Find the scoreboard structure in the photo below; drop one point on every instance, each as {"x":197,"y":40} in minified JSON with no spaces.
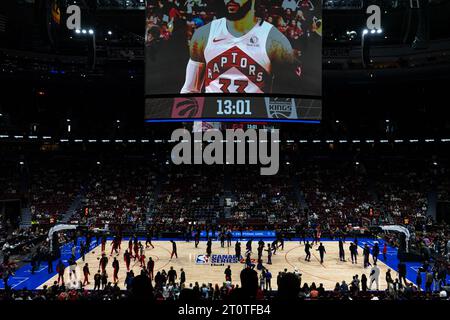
{"x":233,"y":60}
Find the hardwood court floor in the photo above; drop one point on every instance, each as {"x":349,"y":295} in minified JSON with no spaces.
{"x":328,"y":273}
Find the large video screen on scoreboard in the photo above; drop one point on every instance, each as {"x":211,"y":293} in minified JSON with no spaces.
{"x":234,"y":47}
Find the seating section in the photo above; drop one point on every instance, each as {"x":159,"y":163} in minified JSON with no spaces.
{"x":402,"y":188}
{"x":338,"y":192}
{"x":188,"y":194}
{"x":263,"y":200}
{"x":54,"y":184}
{"x":117,"y":193}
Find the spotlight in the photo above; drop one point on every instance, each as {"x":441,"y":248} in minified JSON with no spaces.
{"x":110,"y":32}
{"x":379,"y":31}
{"x":373,"y":31}
{"x":78,"y":31}
{"x":83,"y":31}
{"x":91,"y":31}
{"x":365,"y":31}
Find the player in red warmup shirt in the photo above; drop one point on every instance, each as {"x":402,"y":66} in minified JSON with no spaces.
{"x":130,"y":246}
{"x":127,"y":259}
{"x":142,"y":260}
{"x":103,"y":244}
{"x":150,"y":267}
{"x":86,"y":274}
{"x":115,"y":266}
{"x":119,"y":241}
{"x":115,"y":246}
{"x":136,"y":249}
{"x":103,"y":262}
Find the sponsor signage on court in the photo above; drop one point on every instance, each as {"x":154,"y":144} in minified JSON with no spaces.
{"x":244,"y":234}
{"x":216,"y":259}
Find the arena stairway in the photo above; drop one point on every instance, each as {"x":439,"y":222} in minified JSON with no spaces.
{"x":432,"y":199}
{"x":227,"y":194}
{"x":299,"y":193}
{"x":372,"y":190}
{"x":72,"y":209}
{"x":154,"y":197}
{"x":25,"y":218}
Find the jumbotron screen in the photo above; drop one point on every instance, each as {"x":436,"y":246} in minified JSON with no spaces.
{"x":224,"y":58}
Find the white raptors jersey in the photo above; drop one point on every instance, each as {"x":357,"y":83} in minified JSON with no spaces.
{"x":237,"y":64}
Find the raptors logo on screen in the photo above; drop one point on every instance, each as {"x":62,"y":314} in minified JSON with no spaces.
{"x":235,"y":71}
{"x":187,"y":107}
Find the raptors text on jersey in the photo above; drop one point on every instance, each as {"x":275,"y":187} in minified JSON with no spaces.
{"x":237,"y":64}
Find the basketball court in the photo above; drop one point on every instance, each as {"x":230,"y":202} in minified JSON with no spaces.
{"x":200,"y":269}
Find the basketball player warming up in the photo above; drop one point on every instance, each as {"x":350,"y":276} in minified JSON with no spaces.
{"x":238,"y":54}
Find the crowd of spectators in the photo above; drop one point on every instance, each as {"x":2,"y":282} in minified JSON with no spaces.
{"x":116,"y":193}
{"x":443,"y":185}
{"x":290,"y":287}
{"x":54,"y":184}
{"x":263,"y":200}
{"x":406,"y":199}
{"x":349,"y":194}
{"x":188,"y":195}
{"x":9,"y":180}
{"x":19,"y":242}
{"x":337,"y":195}
{"x":337,"y":192}
{"x":120,"y":4}
{"x":298,"y":20}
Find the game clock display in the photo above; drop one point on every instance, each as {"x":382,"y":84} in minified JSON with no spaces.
{"x":229,"y":108}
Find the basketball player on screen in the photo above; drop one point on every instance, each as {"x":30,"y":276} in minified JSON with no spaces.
{"x":238,"y":54}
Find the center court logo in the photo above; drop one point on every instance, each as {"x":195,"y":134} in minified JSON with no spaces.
{"x":202,"y":259}
{"x":216,"y":259}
